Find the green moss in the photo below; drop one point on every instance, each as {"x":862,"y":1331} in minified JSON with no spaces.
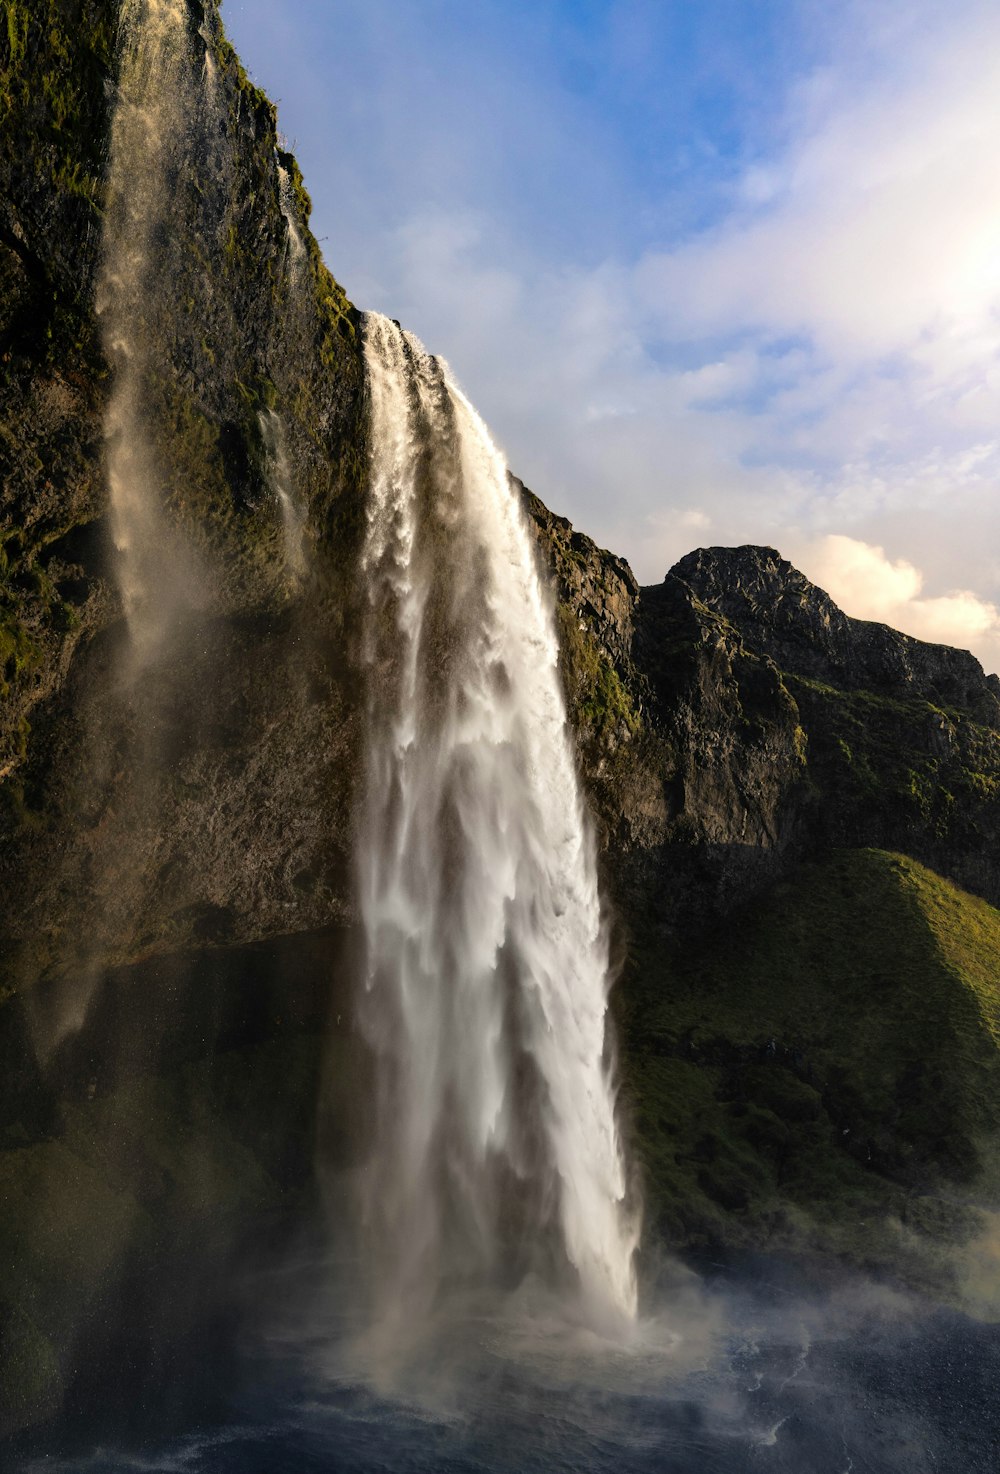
{"x":62,"y":1228}
{"x":600,"y":706}
{"x":32,"y":614}
{"x":248,"y":94}
{"x":165,"y":1163}
{"x":16,"y":18}
{"x":18,"y":652}
{"x":835,"y":1055}
{"x":870,"y":752}
{"x":262,"y":394}
{"x":58,"y":99}
{"x":300,"y":195}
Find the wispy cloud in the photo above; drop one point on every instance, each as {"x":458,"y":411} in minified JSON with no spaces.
{"x":869,"y":585}
{"x":804,"y":345}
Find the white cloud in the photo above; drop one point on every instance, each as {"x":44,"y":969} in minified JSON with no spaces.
{"x":695,"y":519}
{"x":823,"y":360}
{"x":869,"y":585}
{"x":878,"y":229}
{"x":629,"y":445}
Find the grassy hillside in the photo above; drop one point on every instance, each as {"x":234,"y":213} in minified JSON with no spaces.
{"x":825,"y":1072}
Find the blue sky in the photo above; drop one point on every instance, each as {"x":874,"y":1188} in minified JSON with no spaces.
{"x":715,"y":271}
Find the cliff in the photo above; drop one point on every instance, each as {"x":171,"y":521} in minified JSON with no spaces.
{"x":797,"y":812}
{"x":159,"y":1081}
{"x":733,"y":721}
{"x":94,"y":856}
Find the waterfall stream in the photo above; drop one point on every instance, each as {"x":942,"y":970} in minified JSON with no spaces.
{"x":497,"y":1160}
{"x":498,"y":1154}
{"x":159,"y":98}
{"x":296,"y":245}
{"x":279,"y":477}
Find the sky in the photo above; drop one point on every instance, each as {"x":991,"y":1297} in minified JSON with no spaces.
{"x":713,"y":271}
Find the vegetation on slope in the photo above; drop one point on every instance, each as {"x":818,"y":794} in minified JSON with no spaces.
{"x":900,"y":768}
{"x":55,"y":61}
{"x":825,"y":1073}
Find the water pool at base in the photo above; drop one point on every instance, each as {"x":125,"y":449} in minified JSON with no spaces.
{"x":729,"y":1378}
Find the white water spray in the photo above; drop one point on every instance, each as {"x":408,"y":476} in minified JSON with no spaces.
{"x":210,"y":70}
{"x":159,"y":96}
{"x":296,"y":245}
{"x":279,"y":475}
{"x":498,"y":1152}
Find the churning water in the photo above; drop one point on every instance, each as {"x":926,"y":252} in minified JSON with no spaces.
{"x":497,"y":1154}
{"x":753,"y":1380}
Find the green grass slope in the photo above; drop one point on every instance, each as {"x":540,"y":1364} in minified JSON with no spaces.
{"x":824,"y":1074}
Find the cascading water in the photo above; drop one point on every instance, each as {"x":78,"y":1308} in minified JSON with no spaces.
{"x":296,"y":245}
{"x":152,"y":111}
{"x":272,"y":426}
{"x":487,"y":961}
{"x":279,"y":476}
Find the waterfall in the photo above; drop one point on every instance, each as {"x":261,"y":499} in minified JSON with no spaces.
{"x":210,"y":70}
{"x":160,"y":104}
{"x":296,"y":245}
{"x":485,"y":1003}
{"x":272,"y":426}
{"x":279,"y":476}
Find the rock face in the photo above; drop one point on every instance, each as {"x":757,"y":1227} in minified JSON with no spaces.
{"x":897,"y":742}
{"x":107,"y":845}
{"x":779,"y":611}
{"x":155,"y":821}
{"x":732,"y":721}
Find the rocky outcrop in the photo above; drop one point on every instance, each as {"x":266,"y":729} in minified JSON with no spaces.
{"x":622,"y":754}
{"x":899,"y":740}
{"x":183,"y":806}
{"x":599,"y":588}
{"x":732,"y":721}
{"x":778,"y":611}
{"x":689,"y":739}
{"x":53,"y":73}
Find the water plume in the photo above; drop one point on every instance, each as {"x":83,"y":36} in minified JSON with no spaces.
{"x":296,"y":245}
{"x":497,"y":1155}
{"x":160,"y":100}
{"x":279,"y":476}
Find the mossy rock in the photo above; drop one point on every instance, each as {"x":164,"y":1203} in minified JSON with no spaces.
{"x":829,"y":1062}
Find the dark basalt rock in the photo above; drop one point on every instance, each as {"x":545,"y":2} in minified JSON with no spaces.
{"x":765,"y":726}
{"x":899,"y":739}
{"x":779,"y":611}
{"x":256,"y":702}
{"x":600,"y":588}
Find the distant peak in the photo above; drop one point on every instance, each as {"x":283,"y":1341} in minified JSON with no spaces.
{"x":780,"y":613}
